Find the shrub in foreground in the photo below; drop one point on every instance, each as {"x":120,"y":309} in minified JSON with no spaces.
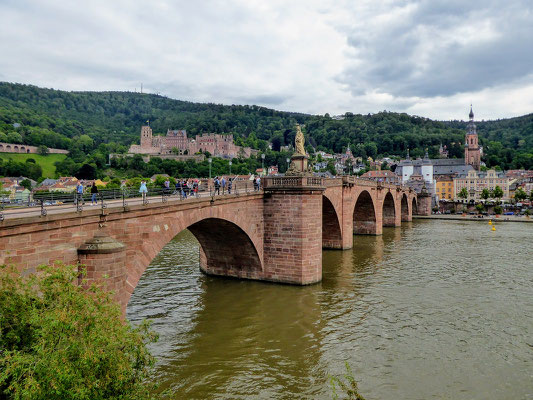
{"x":59,"y":341}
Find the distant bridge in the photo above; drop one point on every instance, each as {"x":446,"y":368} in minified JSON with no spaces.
{"x":276,"y":234}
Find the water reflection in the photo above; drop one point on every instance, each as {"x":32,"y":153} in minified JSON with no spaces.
{"x":430,"y":310}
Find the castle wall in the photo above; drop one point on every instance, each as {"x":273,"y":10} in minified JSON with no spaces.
{"x":22,"y":148}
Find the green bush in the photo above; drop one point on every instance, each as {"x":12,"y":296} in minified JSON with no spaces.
{"x":59,"y":341}
{"x":498,"y":210}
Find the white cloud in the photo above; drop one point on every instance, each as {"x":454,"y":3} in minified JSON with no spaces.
{"x":428,"y":57}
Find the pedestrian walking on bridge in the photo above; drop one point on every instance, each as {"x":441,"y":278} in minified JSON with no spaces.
{"x":94,"y":194}
{"x":143,"y":190}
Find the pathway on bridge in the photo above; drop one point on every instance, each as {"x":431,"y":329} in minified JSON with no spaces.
{"x":28,"y":212}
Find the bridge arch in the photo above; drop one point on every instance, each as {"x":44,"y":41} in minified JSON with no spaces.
{"x":331,"y":227}
{"x":364,"y":215}
{"x":389,"y":210}
{"x":225,"y":248}
{"x":405,"y":208}
{"x":228,"y":245}
{"x":414,"y":206}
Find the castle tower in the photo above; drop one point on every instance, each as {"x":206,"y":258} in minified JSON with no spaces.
{"x":472,"y":149}
{"x":146,"y":137}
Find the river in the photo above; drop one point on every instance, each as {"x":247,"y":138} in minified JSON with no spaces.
{"x":431,"y":310}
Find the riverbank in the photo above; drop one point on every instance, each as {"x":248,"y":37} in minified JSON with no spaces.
{"x":501,"y":218}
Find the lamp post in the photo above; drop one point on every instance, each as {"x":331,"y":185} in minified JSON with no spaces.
{"x":263,"y":163}
{"x":230,"y":167}
{"x":288,"y":161}
{"x":210,"y":160}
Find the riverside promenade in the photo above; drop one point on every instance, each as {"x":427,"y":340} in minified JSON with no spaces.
{"x":458,"y":217}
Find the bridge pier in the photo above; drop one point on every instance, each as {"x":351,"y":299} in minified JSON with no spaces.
{"x":104,"y":260}
{"x":293,"y":229}
{"x":424,"y":204}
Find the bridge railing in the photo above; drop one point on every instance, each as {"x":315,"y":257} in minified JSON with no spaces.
{"x":51,"y":201}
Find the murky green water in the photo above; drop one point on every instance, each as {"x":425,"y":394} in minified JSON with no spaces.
{"x":432,"y":310}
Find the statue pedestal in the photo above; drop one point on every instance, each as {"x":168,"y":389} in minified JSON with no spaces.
{"x":298,"y":165}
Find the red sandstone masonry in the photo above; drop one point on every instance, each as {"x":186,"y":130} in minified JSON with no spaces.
{"x":293,"y":235}
{"x":277,"y":237}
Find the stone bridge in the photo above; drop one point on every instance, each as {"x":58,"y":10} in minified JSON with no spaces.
{"x":275,"y":235}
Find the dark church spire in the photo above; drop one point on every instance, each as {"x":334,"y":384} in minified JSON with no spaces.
{"x":471,"y":115}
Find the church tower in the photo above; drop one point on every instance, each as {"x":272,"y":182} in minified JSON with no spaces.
{"x":146,"y":137}
{"x":472,"y":149}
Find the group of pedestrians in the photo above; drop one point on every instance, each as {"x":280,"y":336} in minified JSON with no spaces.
{"x":222,"y":183}
{"x":94,"y":194}
{"x":187,"y":188}
{"x":183,"y":187}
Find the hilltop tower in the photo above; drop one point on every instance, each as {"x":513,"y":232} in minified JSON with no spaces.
{"x":472,"y":149}
{"x":146,"y":137}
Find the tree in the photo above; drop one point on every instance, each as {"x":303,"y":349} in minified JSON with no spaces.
{"x":485,"y":194}
{"x":479,"y":208}
{"x":85,"y":143}
{"x":497,"y":193}
{"x":463,"y":193}
{"x":14,"y":137}
{"x":86,"y":171}
{"x":113,"y":184}
{"x":60,"y":341}
{"x":26,"y":183}
{"x":43,"y":150}
{"x":348,"y":167}
{"x":520,"y":195}
{"x":331,"y":167}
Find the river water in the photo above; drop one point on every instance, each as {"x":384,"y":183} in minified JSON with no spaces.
{"x":432,"y":310}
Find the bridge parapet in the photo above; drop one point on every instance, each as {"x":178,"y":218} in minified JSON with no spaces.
{"x":293,"y":182}
{"x":366,"y":182}
{"x":333,"y":182}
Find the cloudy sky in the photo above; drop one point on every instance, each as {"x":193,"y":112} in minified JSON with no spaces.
{"x":424,"y":57}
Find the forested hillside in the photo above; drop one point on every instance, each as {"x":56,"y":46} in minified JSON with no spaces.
{"x":93,"y":124}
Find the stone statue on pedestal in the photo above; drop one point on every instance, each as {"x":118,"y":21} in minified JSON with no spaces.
{"x":299,"y":141}
{"x":299,"y":159}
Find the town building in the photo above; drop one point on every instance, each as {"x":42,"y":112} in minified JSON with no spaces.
{"x":177,"y":143}
{"x":382,"y":176}
{"x":519,"y":174}
{"x":475,"y":182}
{"x":473,"y":151}
{"x":443,"y":151}
{"x":437,"y":172}
{"x":12,"y":190}
{"x":444,"y":188}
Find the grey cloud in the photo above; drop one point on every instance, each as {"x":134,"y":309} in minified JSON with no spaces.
{"x":399,"y":60}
